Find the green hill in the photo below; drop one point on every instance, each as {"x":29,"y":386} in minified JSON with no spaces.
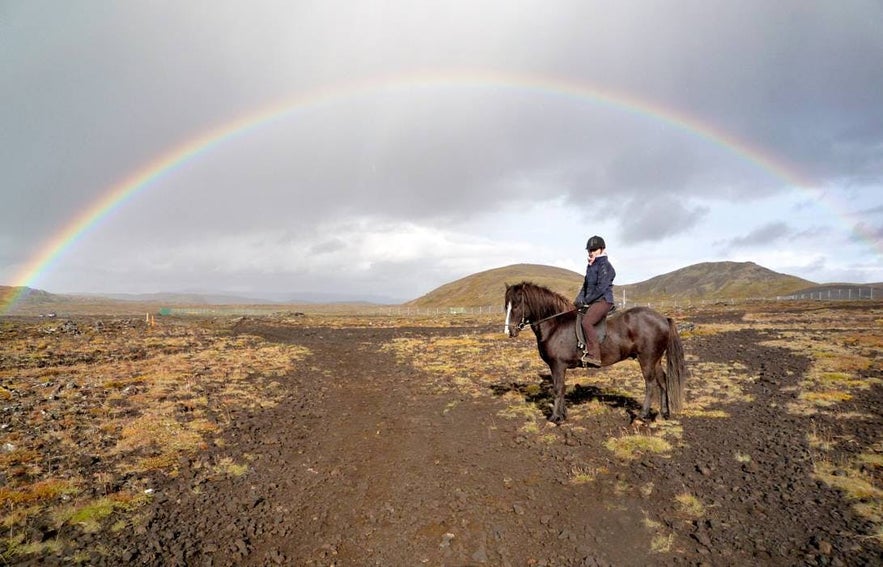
{"x":26,"y":296}
{"x":706,"y":281}
{"x":715,"y":280}
{"x":30,"y":301}
{"x":487,"y":288}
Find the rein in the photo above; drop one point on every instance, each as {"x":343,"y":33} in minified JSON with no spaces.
{"x":525,"y":321}
{"x":532,"y":323}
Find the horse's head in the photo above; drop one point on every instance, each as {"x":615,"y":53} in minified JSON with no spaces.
{"x":516,"y":317}
{"x":531,"y":304}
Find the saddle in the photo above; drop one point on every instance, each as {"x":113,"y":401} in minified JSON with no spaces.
{"x":600,"y":329}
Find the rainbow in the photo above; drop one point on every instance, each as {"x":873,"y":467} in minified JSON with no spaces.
{"x":165,"y":164}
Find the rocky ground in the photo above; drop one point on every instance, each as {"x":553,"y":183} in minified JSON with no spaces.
{"x":364,"y":462}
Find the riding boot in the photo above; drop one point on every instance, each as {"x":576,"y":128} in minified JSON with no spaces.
{"x":592,"y":350}
{"x":591,"y":357}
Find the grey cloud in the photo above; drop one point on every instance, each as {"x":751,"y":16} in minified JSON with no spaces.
{"x":95,"y":93}
{"x":654,"y":219}
{"x":765,"y":235}
{"x":868,"y":233}
{"x":877,"y":211}
{"x":328,"y":246}
{"x":720,"y":62}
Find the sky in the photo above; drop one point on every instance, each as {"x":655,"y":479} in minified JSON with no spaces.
{"x":378,"y":150}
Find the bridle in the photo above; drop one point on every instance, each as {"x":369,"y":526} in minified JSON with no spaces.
{"x":525,"y":321}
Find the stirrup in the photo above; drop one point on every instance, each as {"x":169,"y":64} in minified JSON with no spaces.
{"x":588,"y":360}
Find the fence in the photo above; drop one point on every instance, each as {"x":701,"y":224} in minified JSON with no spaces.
{"x":838,"y":294}
{"x":853,"y":293}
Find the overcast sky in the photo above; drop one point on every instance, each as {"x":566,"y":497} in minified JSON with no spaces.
{"x":424,"y":141}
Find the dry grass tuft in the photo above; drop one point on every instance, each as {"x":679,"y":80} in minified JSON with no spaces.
{"x":629,"y":447}
{"x":662,"y":541}
{"x":38,"y":492}
{"x":228,"y":467}
{"x":88,"y":516}
{"x":689,"y":505}
{"x":585,"y":474}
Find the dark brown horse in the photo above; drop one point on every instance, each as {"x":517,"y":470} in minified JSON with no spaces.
{"x":639,"y":333}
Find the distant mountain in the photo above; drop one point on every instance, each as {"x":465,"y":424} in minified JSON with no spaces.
{"x":714,"y":280}
{"x":710,"y":280}
{"x":187,"y":298}
{"x":255,"y":298}
{"x":30,"y":296}
{"x":326,"y":298}
{"x":705,"y":281}
{"x":488,"y":287}
{"x":30,"y":301}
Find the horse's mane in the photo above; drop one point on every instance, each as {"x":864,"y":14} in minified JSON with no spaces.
{"x":544,"y":299}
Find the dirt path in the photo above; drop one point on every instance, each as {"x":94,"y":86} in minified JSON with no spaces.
{"x":375,"y":470}
{"x":363,"y":464}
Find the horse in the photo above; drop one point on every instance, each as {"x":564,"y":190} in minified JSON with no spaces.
{"x":637,"y":333}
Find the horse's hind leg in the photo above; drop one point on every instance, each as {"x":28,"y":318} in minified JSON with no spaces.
{"x":653,"y":376}
{"x":559,"y":410}
{"x":663,"y":392}
{"x":658,"y":376}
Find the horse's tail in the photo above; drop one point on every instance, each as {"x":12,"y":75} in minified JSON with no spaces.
{"x":676,"y":371}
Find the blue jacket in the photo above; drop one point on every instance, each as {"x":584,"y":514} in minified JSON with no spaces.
{"x":598,"y":283}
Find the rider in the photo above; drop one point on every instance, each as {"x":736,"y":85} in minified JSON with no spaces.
{"x":595,"y":298}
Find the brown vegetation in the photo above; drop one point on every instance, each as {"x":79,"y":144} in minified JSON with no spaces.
{"x":100,"y":414}
{"x":96,"y":413}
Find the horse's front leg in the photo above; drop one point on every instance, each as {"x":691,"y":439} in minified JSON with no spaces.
{"x":559,"y":410}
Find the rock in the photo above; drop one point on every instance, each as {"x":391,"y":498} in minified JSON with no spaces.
{"x":702,"y":538}
{"x":276,"y":557}
{"x":480,"y":555}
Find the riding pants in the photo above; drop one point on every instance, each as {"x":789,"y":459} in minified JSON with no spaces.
{"x":595,"y":312}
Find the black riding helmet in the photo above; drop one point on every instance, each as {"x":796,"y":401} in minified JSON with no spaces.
{"x":595,"y":243}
